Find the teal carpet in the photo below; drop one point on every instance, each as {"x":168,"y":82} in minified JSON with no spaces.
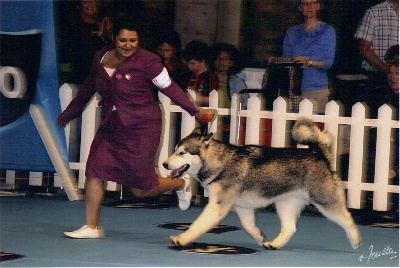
{"x":32,"y":227}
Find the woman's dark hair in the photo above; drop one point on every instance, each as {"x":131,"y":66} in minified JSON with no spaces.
{"x":392,"y":54}
{"x":196,"y":50}
{"x":170,"y":37}
{"x":173,"y":39}
{"x":233,"y":52}
{"x":124,"y":23}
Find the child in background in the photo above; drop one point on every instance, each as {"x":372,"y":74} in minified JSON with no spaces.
{"x":200,"y":79}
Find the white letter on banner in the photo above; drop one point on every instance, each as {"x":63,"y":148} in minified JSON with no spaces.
{"x":18,"y":75}
{"x":162,"y":80}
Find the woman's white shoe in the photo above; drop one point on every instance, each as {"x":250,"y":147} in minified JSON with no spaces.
{"x":185,"y":195}
{"x":86,"y":233}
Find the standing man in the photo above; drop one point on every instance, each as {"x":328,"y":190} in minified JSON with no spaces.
{"x":377,"y":31}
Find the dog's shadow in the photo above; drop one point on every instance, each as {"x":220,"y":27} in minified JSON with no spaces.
{"x":215,"y":249}
{"x":221,"y":249}
{"x":183,"y":226}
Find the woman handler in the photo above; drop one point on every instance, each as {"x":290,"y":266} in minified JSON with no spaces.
{"x":125,"y":145}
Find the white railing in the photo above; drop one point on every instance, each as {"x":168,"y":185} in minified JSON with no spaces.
{"x":355,"y":142}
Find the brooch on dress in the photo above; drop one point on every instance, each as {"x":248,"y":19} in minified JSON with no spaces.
{"x":127,"y":76}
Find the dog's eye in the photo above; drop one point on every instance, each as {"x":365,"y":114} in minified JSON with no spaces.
{"x":194,"y":152}
{"x":181,"y":153}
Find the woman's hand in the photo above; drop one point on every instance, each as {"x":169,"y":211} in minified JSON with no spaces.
{"x":61,"y":123}
{"x":302,"y":60}
{"x":105,"y":28}
{"x":271,"y":59}
{"x":204,"y":115}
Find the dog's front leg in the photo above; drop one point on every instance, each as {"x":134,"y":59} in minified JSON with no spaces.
{"x":288,"y":210}
{"x":247,"y":219}
{"x":213,"y":213}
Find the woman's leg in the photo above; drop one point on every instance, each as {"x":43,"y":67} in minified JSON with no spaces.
{"x":94,"y":194}
{"x":319,"y":99}
{"x":180,"y":185}
{"x":165,"y":185}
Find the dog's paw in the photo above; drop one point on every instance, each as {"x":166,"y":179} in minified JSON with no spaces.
{"x":178,"y":241}
{"x":174,"y":240}
{"x":268,"y":245}
{"x":356,"y":244}
{"x":354,"y":237}
{"x":261,"y":239}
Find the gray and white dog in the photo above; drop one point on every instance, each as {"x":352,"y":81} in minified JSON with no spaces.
{"x":250,"y":177}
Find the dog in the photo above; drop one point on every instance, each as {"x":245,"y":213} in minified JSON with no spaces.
{"x":250,"y":177}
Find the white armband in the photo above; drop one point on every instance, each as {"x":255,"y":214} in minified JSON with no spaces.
{"x":162,"y":80}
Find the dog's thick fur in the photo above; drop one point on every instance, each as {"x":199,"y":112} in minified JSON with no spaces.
{"x":250,"y":177}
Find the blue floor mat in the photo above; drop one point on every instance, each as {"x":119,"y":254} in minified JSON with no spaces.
{"x":34,"y":226}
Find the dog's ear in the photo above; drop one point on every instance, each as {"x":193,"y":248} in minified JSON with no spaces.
{"x":197,"y":130}
{"x":207,"y":137}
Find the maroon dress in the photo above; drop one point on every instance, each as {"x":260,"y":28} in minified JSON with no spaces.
{"x":126,"y":143}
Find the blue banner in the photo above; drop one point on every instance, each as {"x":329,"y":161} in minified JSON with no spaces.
{"x":21,"y":147}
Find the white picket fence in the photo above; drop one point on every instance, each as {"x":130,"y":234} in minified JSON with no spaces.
{"x":355,"y":141}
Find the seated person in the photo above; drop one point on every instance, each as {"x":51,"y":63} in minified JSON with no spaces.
{"x":389,"y":93}
{"x":200,"y":79}
{"x":392,"y":61}
{"x":226,"y":67}
{"x":169,"y":49}
{"x":393,"y":81}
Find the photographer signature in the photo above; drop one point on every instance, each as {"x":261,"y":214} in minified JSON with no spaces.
{"x":387,"y":251}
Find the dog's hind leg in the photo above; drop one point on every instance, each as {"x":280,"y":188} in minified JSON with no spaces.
{"x":339,"y":214}
{"x":331,"y":202}
{"x":247,"y":219}
{"x":288,"y":210}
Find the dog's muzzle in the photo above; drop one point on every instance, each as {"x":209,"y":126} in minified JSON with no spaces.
{"x":178,"y":172}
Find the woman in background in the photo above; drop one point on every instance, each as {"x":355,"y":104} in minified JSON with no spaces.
{"x":226,"y":67}
{"x":82,"y":34}
{"x":312,"y":44}
{"x":224,"y":58}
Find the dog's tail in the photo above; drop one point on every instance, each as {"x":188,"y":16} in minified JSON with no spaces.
{"x":306,"y":132}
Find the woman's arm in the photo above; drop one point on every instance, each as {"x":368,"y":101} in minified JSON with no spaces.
{"x":326,"y":49}
{"x":370,"y":56}
{"x":76,"y":106}
{"x":168,"y":87}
